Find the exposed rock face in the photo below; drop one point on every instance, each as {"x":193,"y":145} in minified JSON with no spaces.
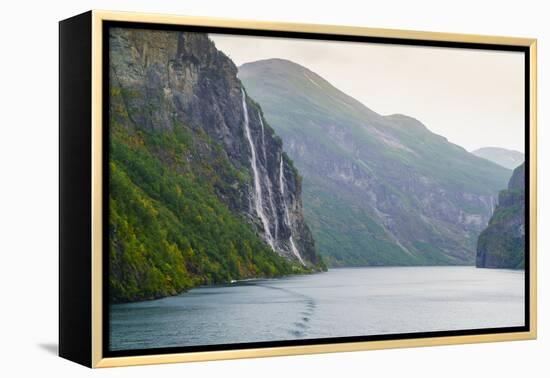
{"x":502,"y":243}
{"x":378,"y":190}
{"x":182,"y":78}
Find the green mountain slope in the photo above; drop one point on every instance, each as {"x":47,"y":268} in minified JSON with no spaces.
{"x":502,"y":243}
{"x":191,"y":198}
{"x":378,"y":190}
{"x":507,"y":158}
{"x":168,"y":230}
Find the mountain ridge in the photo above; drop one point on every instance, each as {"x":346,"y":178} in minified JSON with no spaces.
{"x":507,"y":158}
{"x":373,"y":177}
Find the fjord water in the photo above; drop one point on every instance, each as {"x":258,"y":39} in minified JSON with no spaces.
{"x":338,"y":303}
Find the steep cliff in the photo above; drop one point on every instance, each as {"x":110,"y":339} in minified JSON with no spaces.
{"x":201,"y":190}
{"x":502,"y":243}
{"x":378,"y":190}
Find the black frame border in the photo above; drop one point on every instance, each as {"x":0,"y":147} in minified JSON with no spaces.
{"x":75,"y":181}
{"x":106,"y":25}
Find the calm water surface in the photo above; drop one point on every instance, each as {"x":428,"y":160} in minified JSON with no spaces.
{"x":340,"y":302}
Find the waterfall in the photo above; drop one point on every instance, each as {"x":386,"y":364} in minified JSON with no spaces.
{"x":287,"y":216}
{"x":269,"y":184}
{"x":257,"y":185}
{"x":263,"y":138}
{"x":259,"y":198}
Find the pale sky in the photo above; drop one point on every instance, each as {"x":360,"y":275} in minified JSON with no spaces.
{"x":474,"y":98}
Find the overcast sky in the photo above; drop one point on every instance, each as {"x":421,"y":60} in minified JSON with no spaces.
{"x":474,"y":98}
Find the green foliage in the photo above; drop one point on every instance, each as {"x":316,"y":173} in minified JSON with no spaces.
{"x":502,"y":243}
{"x":168,"y":229}
{"x":503,"y":213}
{"x":343,"y":233}
{"x":501,"y":248}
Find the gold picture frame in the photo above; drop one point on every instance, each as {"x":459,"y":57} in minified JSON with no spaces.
{"x":76,"y":272}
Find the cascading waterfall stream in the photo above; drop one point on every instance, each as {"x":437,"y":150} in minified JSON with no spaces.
{"x":287,"y":216}
{"x":257,"y":185}
{"x":263,"y":137}
{"x":268,"y":184}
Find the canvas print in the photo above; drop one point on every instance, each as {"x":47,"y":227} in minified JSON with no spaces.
{"x":269,"y":189}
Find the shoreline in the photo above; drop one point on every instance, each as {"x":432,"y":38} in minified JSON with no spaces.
{"x":244,"y":281}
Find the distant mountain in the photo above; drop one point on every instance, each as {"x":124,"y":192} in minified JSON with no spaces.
{"x":201,"y":191}
{"x":502,"y":243}
{"x":377,"y":190}
{"x":507,"y":158}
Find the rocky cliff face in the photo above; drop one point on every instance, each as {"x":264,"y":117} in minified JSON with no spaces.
{"x":184,"y":77}
{"x":176,"y":99}
{"x":378,"y":190}
{"x":502,"y":243}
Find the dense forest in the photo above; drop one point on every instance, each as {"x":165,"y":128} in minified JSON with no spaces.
{"x":168,"y":230}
